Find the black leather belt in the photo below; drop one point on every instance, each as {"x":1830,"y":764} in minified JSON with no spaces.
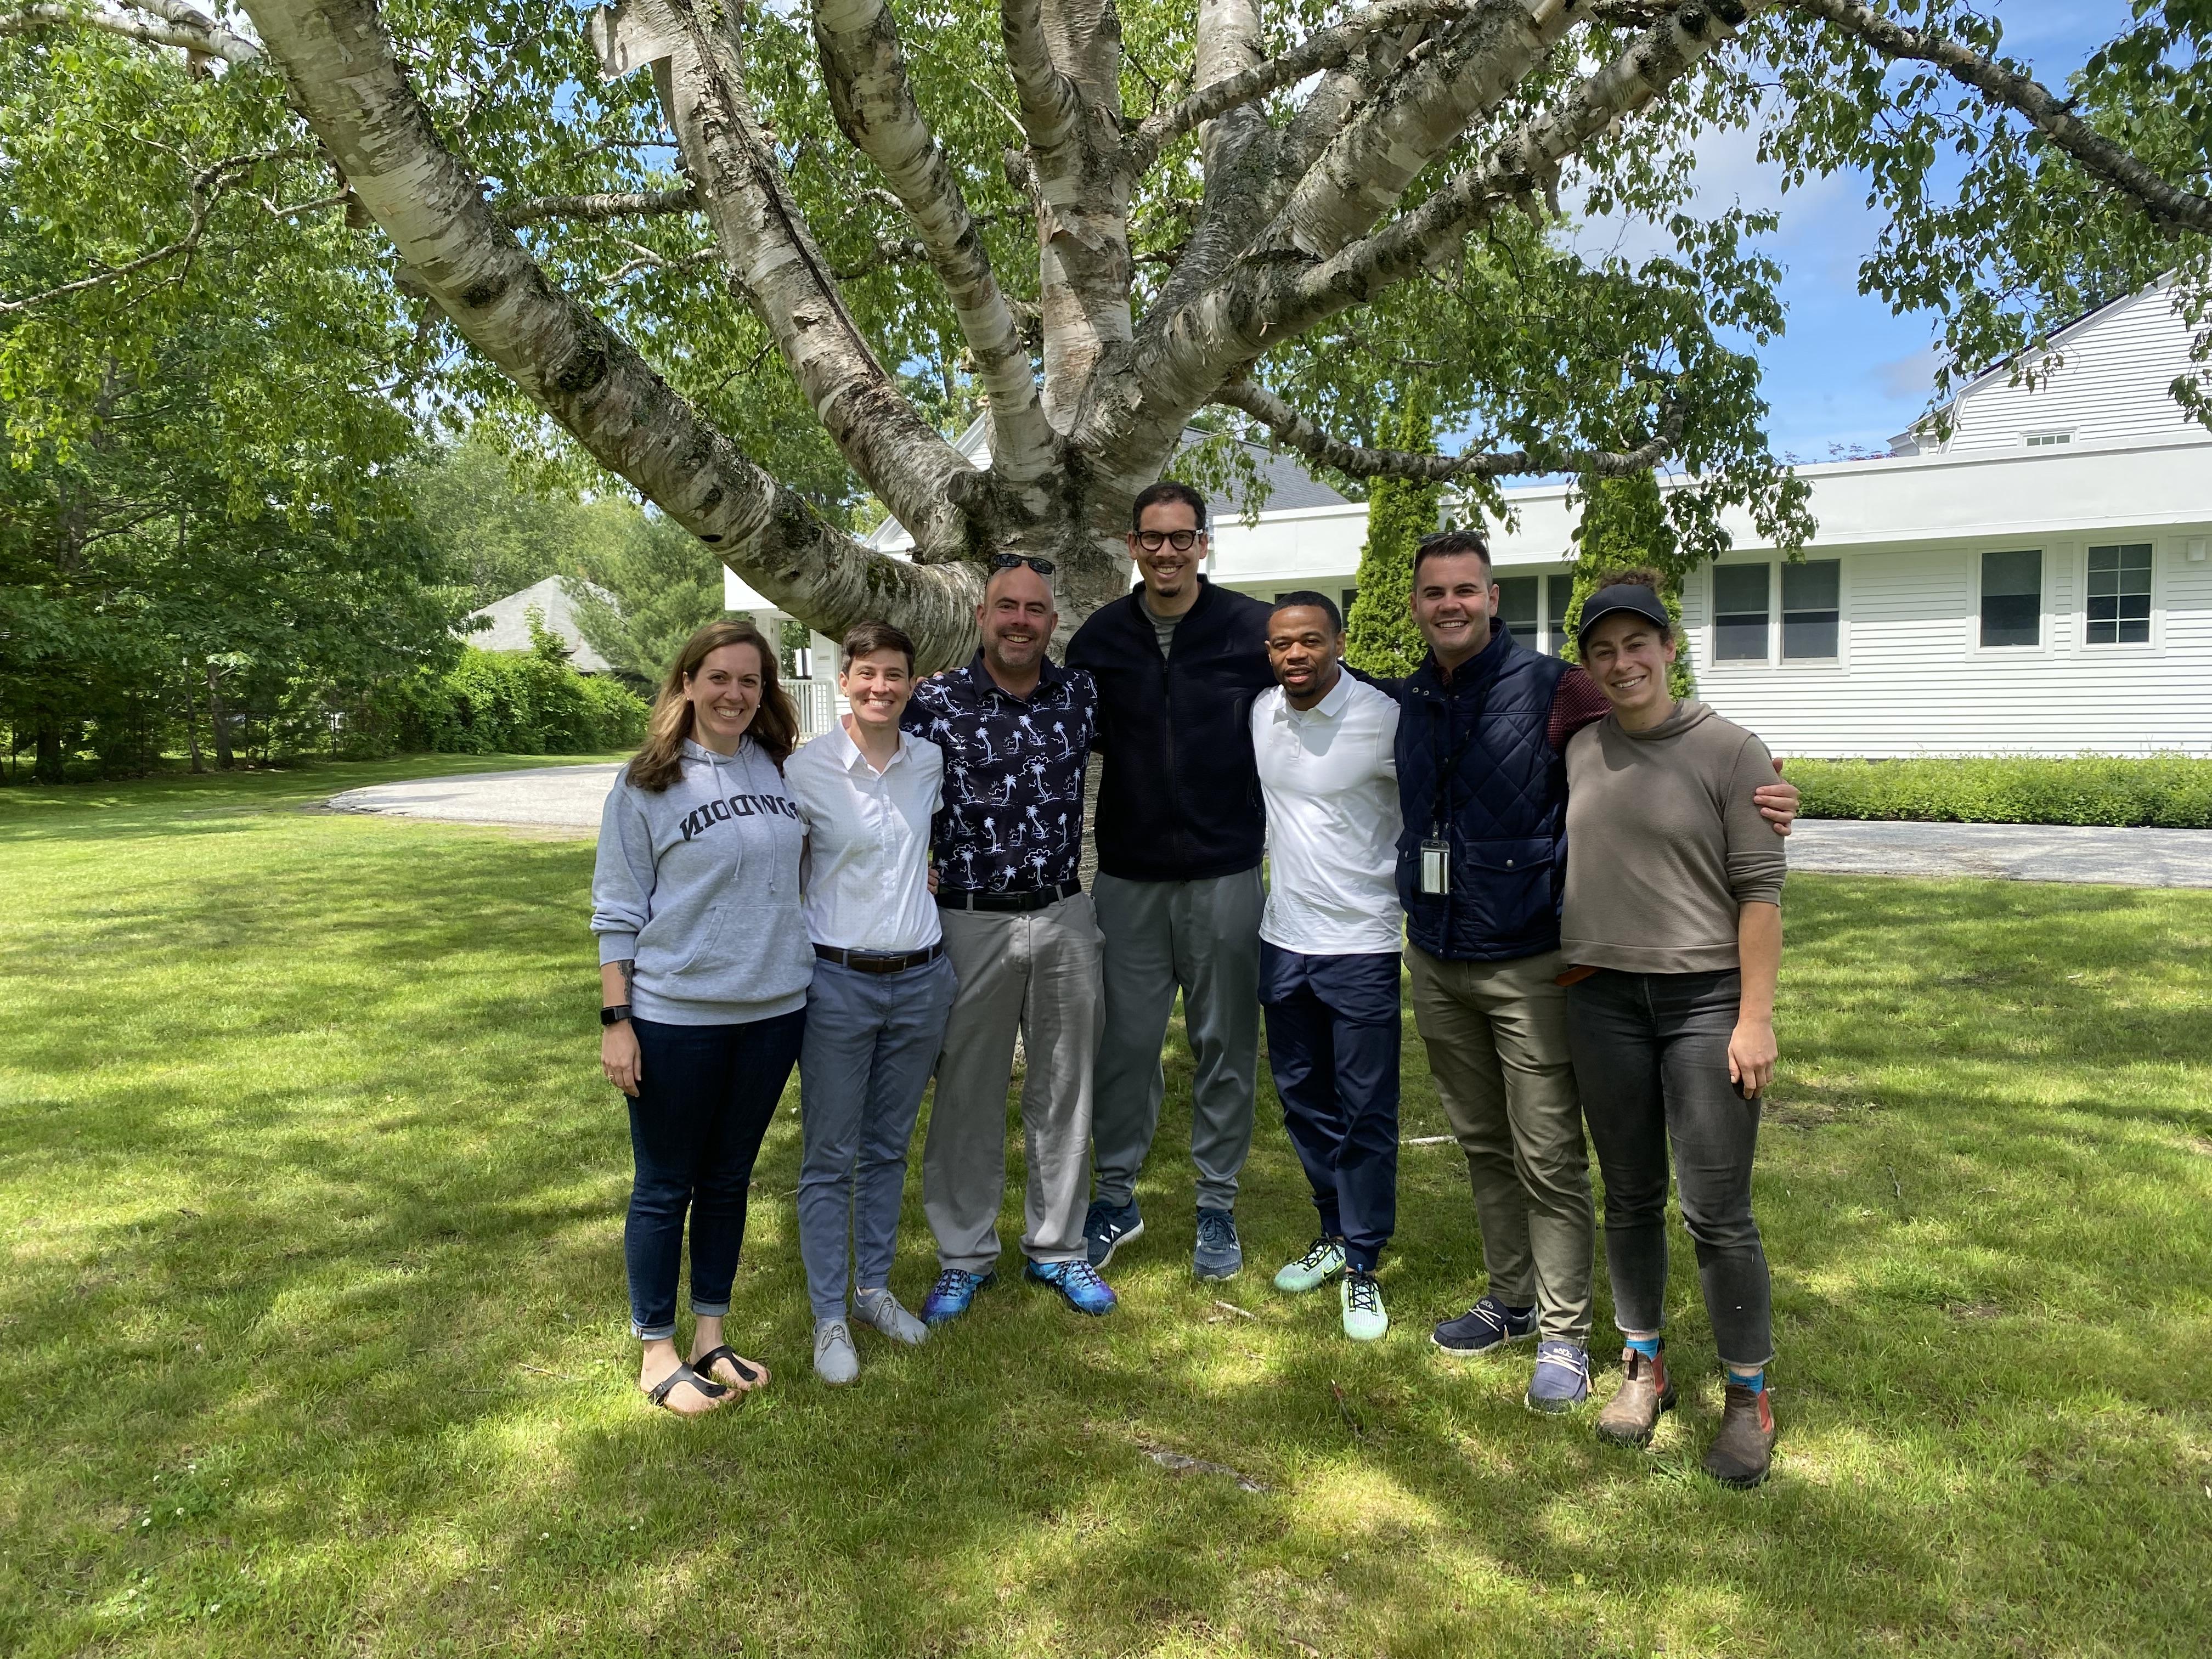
{"x":879,"y":962}
{"x":1035,"y":899}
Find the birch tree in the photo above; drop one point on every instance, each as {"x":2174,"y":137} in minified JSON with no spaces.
{"x":761,"y":262}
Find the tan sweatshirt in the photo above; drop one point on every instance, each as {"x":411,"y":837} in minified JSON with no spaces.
{"x":1664,"y":843}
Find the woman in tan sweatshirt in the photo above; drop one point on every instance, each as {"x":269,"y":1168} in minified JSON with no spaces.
{"x":1672,"y":925}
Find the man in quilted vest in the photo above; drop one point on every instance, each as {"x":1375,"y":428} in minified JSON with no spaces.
{"x":1482,"y":734}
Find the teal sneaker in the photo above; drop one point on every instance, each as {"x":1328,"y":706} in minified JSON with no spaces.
{"x":1322,"y":1262}
{"x":1365,"y":1321}
{"x":1078,"y":1281}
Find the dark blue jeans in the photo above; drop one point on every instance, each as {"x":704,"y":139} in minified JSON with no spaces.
{"x":1650,"y":1053}
{"x":1333,"y":1037}
{"x":706,"y":1095}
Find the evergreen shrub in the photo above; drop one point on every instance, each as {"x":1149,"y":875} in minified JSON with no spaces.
{"x":2168,"y":790}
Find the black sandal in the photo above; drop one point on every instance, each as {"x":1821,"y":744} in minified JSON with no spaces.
{"x":707,"y":1386}
{"x":747,"y":1377}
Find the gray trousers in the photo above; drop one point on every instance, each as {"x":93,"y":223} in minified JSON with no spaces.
{"x":870,"y":1040}
{"x":1036,"y":974}
{"x":1497,"y":1037}
{"x":1204,"y":937}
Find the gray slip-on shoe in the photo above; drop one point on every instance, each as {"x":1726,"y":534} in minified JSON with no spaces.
{"x":834,"y":1360}
{"x":880,"y":1309}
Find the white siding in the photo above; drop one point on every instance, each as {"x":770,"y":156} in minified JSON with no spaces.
{"x":1913,"y":677}
{"x":2110,"y":383}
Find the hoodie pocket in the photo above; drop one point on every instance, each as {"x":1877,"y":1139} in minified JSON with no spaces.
{"x":657,"y":959}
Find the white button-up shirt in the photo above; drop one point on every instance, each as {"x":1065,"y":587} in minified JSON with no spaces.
{"x":866,"y":869}
{"x":1329,"y":775}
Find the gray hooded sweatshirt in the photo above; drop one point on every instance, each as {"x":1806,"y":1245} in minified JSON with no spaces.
{"x":698,"y":886}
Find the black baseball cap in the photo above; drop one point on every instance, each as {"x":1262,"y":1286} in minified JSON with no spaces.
{"x":1623,"y":596}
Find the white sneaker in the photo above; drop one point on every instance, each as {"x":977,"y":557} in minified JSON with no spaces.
{"x":835,"y":1361}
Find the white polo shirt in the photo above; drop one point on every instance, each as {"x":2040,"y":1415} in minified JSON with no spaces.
{"x":1329,"y":775}
{"x":865,"y":875}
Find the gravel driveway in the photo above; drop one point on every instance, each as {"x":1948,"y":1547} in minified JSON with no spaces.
{"x":569,"y":798}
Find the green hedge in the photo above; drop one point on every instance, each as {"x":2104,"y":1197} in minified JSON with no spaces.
{"x":495,"y":703}
{"x":2174,"y":791}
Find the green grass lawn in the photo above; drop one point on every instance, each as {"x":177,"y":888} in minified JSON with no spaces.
{"x":313,"y":1338}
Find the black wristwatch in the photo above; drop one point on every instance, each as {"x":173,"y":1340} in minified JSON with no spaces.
{"x":616,"y":1015}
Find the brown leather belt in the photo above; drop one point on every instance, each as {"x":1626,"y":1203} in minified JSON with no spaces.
{"x":879,"y":962}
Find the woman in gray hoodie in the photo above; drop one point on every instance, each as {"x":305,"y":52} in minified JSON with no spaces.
{"x":704,"y":968}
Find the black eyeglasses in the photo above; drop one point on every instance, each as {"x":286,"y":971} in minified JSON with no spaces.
{"x":1153,"y":540}
{"x":1013,"y":561}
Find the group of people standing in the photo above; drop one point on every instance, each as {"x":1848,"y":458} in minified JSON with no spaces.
{"x":902,"y":898}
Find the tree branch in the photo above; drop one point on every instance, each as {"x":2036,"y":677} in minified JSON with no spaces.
{"x":874,"y":100}
{"x":1051,"y":104}
{"x":1325,"y":49}
{"x":1299,"y":433}
{"x":177,"y":26}
{"x":588,"y":378}
{"x":596,"y":209}
{"x":2166,"y":203}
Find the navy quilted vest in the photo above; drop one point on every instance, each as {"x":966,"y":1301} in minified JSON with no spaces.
{"x":1504,"y":806}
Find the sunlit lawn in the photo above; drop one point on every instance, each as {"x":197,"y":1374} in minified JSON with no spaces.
{"x":311,"y":1333}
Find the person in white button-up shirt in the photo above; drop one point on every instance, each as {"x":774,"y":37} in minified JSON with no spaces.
{"x":1329,"y":942}
{"x":882,"y":989}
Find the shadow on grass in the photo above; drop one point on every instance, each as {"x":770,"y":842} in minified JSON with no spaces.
{"x":305,"y":1165}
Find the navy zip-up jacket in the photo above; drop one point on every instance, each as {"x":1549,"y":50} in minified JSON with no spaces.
{"x":1178,"y":791}
{"x":1479,"y":765}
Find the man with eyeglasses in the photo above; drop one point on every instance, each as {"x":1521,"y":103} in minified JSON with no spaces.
{"x":1007,"y":842}
{"x":1180,"y":835}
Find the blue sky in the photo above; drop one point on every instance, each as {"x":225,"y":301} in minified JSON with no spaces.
{"x":1848,"y":371}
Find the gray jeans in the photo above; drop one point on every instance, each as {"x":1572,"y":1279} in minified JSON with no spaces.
{"x":1036,"y":974}
{"x":1497,"y":1037}
{"x":870,"y":1040}
{"x":1204,"y":937}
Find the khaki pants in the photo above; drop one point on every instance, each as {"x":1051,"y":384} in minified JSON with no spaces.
{"x":1036,"y":972}
{"x":1497,"y":1037}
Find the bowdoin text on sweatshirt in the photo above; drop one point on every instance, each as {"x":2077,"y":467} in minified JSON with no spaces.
{"x":1664,"y":843}
{"x":698,"y":886}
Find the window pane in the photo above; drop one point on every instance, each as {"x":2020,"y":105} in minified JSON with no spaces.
{"x":2118,"y":611}
{"x":2012,"y":598}
{"x":1350,"y":594}
{"x":1740,"y":613}
{"x":1516,"y":607}
{"x":1811,"y":597}
{"x":1558,"y":594}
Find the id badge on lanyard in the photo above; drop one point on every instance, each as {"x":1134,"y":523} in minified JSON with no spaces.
{"x":1435,"y":867}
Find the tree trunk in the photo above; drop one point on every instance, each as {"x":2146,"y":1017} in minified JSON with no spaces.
{"x":47,"y":767}
{"x":223,"y":758}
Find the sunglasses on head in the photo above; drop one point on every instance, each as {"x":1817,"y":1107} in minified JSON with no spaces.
{"x":1153,"y":540}
{"x":1014,"y":561}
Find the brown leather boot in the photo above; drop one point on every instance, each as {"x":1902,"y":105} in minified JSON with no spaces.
{"x":1646,"y":1390}
{"x":1742,"y":1451}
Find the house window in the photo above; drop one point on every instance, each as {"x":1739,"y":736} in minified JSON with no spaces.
{"x":2120,"y":594}
{"x":1350,"y":594}
{"x":2046,"y":440}
{"x":1739,"y":613}
{"x":1518,"y":598}
{"x":1811,"y":602}
{"x":2012,"y":599}
{"x":1558,"y":594}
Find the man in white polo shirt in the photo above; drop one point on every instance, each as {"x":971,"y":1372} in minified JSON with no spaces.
{"x":1330,"y":944}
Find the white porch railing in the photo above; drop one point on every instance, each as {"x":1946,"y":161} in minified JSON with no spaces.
{"x":816,"y":701}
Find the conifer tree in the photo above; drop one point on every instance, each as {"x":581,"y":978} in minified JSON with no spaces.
{"x":1379,"y":635}
{"x":1624,"y":527}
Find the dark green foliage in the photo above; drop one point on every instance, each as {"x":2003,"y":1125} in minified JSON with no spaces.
{"x":1625,"y":525}
{"x":1379,"y":633}
{"x":666,"y":585}
{"x":2172,"y":790}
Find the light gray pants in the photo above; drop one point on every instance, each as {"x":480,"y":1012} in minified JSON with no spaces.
{"x":1037,"y":974}
{"x":870,"y":1040}
{"x":1204,"y":937}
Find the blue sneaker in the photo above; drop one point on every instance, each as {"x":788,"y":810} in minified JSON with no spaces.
{"x":1106,"y":1228}
{"x":1562,"y":1378}
{"x":1217,"y":1254}
{"x":955,"y":1289}
{"x":1078,"y":1281}
{"x":1488,"y":1325}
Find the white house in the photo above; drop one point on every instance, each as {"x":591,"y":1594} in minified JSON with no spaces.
{"x":2036,"y":583}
